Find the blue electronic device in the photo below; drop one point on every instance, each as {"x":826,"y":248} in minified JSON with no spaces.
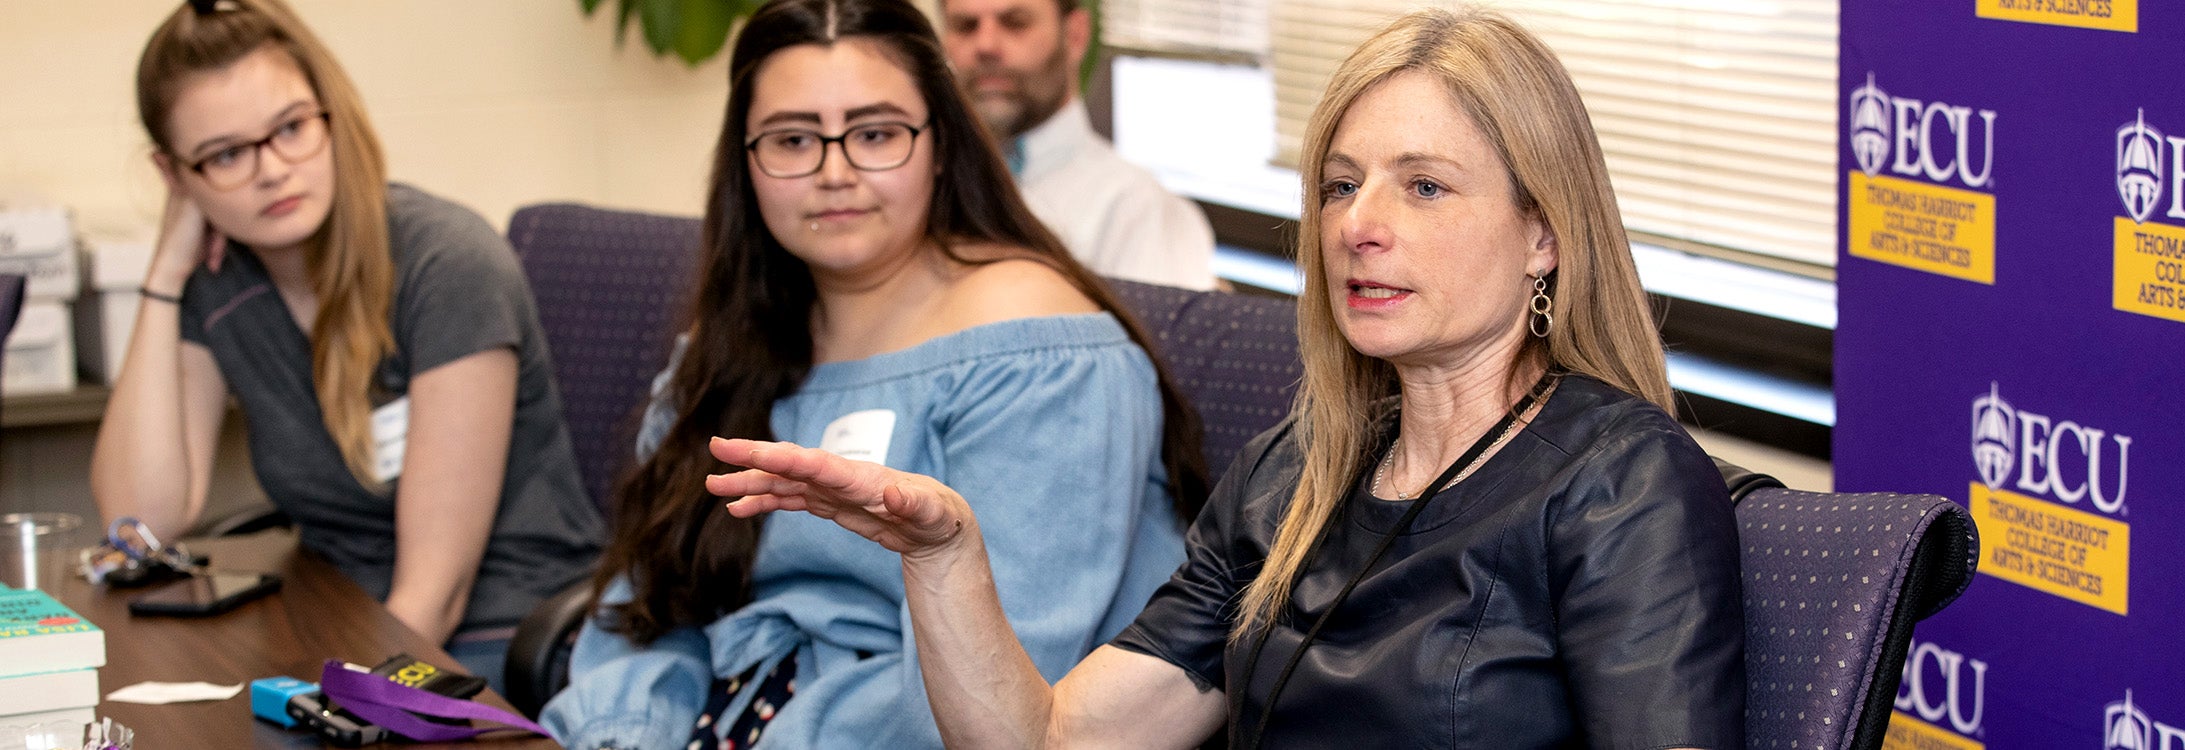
{"x":269,"y":698}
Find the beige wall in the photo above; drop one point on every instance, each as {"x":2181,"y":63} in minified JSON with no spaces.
{"x":493,"y":103}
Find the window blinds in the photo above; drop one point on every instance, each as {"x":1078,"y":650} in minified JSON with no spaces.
{"x":1718,"y":117}
{"x":1226,"y":30}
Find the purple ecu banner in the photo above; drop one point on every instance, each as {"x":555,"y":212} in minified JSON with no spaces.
{"x":2011,"y":280}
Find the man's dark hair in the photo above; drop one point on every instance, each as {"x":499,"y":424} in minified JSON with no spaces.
{"x":1065,"y":6}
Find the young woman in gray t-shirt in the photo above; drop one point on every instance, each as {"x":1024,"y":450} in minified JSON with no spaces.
{"x":395,"y":382}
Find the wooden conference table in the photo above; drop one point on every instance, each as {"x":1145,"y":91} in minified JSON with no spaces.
{"x":317,"y":615}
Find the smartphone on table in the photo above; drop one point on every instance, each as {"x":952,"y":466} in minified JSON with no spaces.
{"x":205,"y":594}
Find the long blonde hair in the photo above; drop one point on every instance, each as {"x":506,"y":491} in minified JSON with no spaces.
{"x":348,"y":260}
{"x":1522,"y":101}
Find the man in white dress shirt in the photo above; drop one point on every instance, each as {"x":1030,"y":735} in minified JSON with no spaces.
{"x":1018,"y":59}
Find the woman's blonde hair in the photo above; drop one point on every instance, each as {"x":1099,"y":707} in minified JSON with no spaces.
{"x":1522,"y":101}
{"x":348,"y":260}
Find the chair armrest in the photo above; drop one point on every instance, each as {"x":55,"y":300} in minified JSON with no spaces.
{"x":1861,"y":568}
{"x":1943,"y":565}
{"x":249,"y":520}
{"x":538,"y":655}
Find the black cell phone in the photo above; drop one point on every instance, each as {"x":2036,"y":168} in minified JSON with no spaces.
{"x":341,"y":728}
{"x":205,"y":594}
{"x":338,"y":727}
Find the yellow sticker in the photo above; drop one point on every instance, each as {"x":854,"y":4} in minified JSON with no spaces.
{"x":1907,"y":732}
{"x":2150,"y":270}
{"x":2050,"y":548}
{"x":2107,"y":15}
{"x":1940,"y":230}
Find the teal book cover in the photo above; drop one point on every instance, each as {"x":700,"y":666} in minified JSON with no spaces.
{"x":39,"y":634}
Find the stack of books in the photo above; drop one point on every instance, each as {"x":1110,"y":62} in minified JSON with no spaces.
{"x":49,"y":663}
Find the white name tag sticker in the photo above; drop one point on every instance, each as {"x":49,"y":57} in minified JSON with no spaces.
{"x":860,"y":435}
{"x":390,"y":438}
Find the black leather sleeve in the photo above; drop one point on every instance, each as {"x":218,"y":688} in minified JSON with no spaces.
{"x":1187,"y":621}
{"x":1649,"y":612}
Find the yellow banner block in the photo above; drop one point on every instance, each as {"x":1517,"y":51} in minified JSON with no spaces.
{"x":2050,"y":548}
{"x":1940,"y":230}
{"x":2150,"y":270}
{"x":1907,"y":732}
{"x":2107,"y":15}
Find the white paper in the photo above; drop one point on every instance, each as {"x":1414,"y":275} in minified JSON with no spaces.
{"x":174,"y":692}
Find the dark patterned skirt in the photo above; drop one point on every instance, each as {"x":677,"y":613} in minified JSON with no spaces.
{"x":744,"y":730}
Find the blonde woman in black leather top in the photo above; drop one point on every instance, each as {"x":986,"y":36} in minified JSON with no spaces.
{"x":1473,"y":332}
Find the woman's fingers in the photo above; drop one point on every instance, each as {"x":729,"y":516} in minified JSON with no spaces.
{"x":216,"y":248}
{"x":753,"y":505}
{"x":810,"y":465}
{"x":752,"y":482}
{"x":186,"y":241}
{"x":899,"y":510}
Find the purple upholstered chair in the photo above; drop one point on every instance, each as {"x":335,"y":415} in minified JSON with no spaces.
{"x":1234,"y":356}
{"x":1833,"y":584}
{"x":611,"y":287}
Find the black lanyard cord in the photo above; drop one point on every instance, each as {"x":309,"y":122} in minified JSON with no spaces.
{"x":1471,"y":455}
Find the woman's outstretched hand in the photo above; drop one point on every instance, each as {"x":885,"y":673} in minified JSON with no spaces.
{"x":912,"y":514}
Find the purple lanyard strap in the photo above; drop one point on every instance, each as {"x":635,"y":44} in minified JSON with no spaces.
{"x":397,"y":707}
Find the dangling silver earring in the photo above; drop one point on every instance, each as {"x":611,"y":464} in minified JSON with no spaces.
{"x":1542,"y":321}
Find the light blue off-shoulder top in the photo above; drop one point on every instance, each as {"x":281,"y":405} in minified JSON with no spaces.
{"x":1050,"y":427}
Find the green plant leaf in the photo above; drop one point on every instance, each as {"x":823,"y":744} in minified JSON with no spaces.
{"x":693,"y":30}
{"x":704,"y":28}
{"x":659,"y":20}
{"x":1091,"y":62}
{"x":627,"y":10}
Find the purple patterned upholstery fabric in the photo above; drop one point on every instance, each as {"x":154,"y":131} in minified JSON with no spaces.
{"x":611,"y":287}
{"x":1234,"y":356}
{"x":1833,"y":583}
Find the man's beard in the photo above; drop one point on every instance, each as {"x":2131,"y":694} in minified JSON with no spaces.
{"x":1038,"y":95}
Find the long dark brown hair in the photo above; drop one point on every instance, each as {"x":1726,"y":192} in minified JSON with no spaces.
{"x":348,"y":261}
{"x":687,"y":560}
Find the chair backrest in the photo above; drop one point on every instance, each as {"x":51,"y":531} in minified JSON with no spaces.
{"x":611,"y":287}
{"x":11,"y":305}
{"x":1234,"y":356}
{"x":1833,"y":584}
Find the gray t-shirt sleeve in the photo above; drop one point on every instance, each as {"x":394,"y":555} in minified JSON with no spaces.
{"x":199,"y":293}
{"x":463,"y":291}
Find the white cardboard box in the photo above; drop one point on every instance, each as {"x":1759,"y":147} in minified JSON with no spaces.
{"x":107,"y":313}
{"x":38,"y":242}
{"x":41,"y":352}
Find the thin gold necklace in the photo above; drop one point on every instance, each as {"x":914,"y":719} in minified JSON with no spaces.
{"x":1388,"y":460}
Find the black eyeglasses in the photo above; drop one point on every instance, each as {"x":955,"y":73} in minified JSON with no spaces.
{"x":294,"y":140}
{"x":875,"y":147}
